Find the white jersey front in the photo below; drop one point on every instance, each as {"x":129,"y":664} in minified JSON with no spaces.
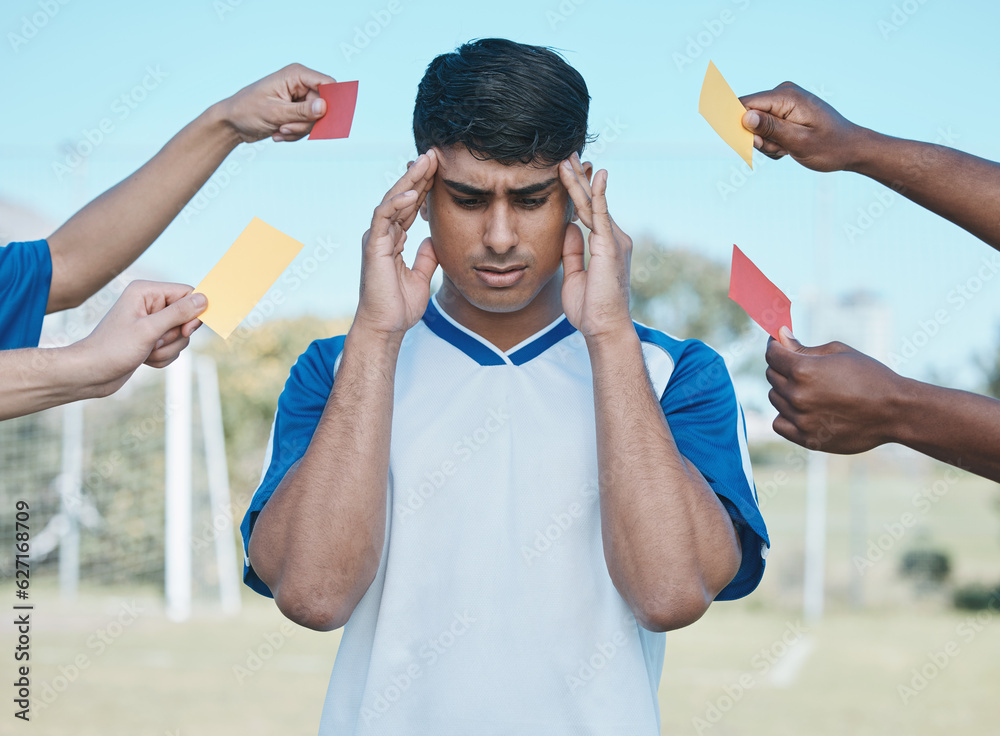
{"x":492,"y":611}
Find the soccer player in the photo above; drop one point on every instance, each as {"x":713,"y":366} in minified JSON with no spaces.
{"x":151,"y":322}
{"x":832,"y":397}
{"x":505,"y":492}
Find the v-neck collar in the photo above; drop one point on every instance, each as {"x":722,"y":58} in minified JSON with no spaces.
{"x":483,"y":351}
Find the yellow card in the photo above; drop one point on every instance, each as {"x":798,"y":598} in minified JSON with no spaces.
{"x":250,"y":267}
{"x":723,"y":110}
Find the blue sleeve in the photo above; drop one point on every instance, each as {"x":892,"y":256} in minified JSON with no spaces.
{"x":25,"y":277}
{"x":708,"y":426}
{"x":300,"y":407}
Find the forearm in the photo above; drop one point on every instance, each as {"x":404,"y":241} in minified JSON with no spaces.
{"x":962,"y":188}
{"x":103,"y":238}
{"x":956,"y":427}
{"x":35,"y":379}
{"x":669,"y":543}
{"x":318,"y":541}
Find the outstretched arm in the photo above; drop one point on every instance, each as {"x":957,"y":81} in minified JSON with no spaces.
{"x":669,"y":543}
{"x":103,"y":238}
{"x":835,"y":399}
{"x":958,"y":186}
{"x":317,"y":543}
{"x":150,"y":323}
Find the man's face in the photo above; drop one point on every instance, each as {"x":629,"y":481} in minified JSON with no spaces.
{"x":498,"y":230}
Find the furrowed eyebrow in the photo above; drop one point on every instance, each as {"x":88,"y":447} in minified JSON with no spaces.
{"x":472,"y":191}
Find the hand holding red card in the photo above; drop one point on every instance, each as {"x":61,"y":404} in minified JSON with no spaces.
{"x":762,"y":300}
{"x":341,"y":98}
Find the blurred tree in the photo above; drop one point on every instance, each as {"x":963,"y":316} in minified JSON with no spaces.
{"x":684,"y":293}
{"x":253,"y":366}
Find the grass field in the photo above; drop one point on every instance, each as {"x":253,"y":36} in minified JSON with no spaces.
{"x":749,"y":668}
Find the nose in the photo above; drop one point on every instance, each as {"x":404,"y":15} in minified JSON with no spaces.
{"x":501,"y":231}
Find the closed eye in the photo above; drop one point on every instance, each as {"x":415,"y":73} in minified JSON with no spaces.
{"x":531,"y":203}
{"x":467,"y":202}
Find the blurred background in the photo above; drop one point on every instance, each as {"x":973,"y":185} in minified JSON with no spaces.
{"x":874,"y":615}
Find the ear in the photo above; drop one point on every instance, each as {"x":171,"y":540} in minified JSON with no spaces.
{"x":588,"y":169}
{"x":408,"y":165}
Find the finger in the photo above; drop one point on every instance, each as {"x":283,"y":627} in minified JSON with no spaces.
{"x":307,"y":110}
{"x":294,"y":131}
{"x":426,"y":260}
{"x":412,"y":177}
{"x":779,"y":101}
{"x":572,"y":253}
{"x":769,"y":127}
{"x":388,"y":213}
{"x":167,"y":354}
{"x":785,"y":428}
{"x":188,"y":328}
{"x":777,"y":380}
{"x":779,"y":402}
{"x":176,"y":314}
{"x":788,"y":340}
{"x":301,"y":79}
{"x":579,"y":193}
{"x":780,"y":358}
{"x":599,"y":204}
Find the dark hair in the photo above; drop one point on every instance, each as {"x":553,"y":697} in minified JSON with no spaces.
{"x":504,"y":101}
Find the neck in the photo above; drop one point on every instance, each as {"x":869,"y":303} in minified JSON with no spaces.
{"x":504,"y":329}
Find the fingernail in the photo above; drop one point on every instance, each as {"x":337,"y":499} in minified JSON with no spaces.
{"x":199,"y":300}
{"x":317,"y":106}
{"x":785,"y":332}
{"x":753,"y":119}
{"x":159,"y":344}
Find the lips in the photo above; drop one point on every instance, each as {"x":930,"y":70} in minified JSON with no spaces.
{"x":500,"y":277}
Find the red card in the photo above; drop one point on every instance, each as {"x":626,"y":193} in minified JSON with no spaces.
{"x":761,"y":299}
{"x":341,"y":97}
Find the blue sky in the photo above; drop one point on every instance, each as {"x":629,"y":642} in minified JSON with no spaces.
{"x":924,"y":70}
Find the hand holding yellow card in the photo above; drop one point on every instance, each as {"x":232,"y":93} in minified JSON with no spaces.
{"x":723,"y":110}
{"x":248,"y":269}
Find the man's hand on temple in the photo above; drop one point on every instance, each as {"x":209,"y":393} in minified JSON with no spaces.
{"x":595,"y":299}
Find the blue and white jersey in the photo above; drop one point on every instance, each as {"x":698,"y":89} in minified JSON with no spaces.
{"x":25,"y":276}
{"x":492,"y":611}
